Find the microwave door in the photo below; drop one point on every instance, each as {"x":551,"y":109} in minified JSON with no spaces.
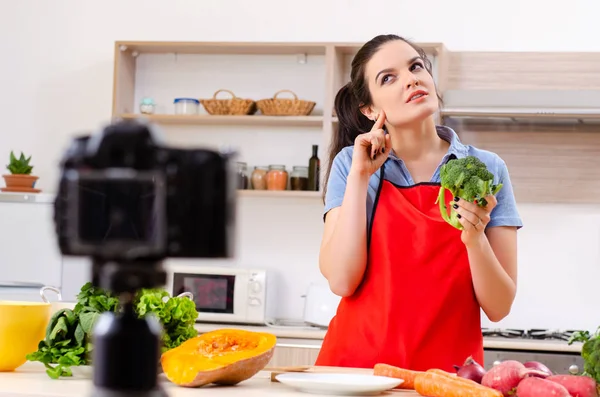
{"x":218,"y":297}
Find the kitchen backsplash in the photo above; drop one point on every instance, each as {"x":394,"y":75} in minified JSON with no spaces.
{"x":559,"y":259}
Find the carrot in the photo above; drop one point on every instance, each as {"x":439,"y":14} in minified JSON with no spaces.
{"x":441,"y":372}
{"x":432,"y":384}
{"x":399,"y":373}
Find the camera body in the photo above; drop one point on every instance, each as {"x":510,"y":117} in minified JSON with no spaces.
{"x":123,"y":195}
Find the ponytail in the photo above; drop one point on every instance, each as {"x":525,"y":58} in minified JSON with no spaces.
{"x":351,"y":123}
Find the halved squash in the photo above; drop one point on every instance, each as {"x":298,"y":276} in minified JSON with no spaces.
{"x":224,"y":357}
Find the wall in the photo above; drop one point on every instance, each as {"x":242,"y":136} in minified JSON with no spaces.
{"x":56,"y":79}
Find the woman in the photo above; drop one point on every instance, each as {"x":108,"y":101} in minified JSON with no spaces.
{"x":412,"y":286}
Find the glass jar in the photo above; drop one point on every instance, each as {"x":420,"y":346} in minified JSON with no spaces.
{"x":147,"y":106}
{"x":186,"y":105}
{"x":259,"y":178}
{"x":299,"y":178}
{"x":242,"y":177}
{"x":277,"y":177}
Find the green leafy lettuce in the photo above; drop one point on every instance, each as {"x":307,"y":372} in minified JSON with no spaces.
{"x":68,"y":339}
{"x":590,"y":352}
{"x":69,"y":333}
{"x":177,"y":315}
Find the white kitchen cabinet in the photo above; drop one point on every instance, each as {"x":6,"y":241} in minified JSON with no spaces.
{"x":76,"y":272}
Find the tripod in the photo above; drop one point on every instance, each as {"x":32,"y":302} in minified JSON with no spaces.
{"x":126,"y":349}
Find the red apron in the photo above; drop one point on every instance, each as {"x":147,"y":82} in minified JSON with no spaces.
{"x":416,"y":306}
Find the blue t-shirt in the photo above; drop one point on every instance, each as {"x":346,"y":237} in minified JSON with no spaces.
{"x":504,"y":214}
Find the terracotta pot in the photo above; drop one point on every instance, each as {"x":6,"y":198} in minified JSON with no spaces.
{"x":20,"y":183}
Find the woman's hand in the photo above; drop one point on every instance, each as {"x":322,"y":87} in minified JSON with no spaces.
{"x":474,"y":218}
{"x":371,"y":149}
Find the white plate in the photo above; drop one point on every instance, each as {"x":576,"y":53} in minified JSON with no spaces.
{"x":340,"y":384}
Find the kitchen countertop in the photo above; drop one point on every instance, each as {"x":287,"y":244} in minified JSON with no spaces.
{"x":313,"y":337}
{"x":30,"y":380}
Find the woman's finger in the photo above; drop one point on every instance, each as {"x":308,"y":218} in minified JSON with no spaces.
{"x":379,"y":122}
{"x":466,"y":214}
{"x":467,"y":226}
{"x":472,"y":207}
{"x":375,"y":145}
{"x":491,"y":202}
{"x":381,"y":138}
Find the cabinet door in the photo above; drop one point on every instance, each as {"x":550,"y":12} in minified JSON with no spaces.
{"x":286,"y":355}
{"x":30,"y":251}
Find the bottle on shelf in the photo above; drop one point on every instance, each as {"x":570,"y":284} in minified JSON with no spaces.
{"x":314,"y":169}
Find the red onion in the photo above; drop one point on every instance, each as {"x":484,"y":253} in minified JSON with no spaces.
{"x":539,"y":366}
{"x":471,"y":369}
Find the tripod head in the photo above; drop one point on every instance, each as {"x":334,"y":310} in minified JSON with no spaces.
{"x":128,"y":202}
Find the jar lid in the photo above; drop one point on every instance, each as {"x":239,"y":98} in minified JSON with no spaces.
{"x":197,"y":102}
{"x":300,"y":167}
{"x":277,"y":166}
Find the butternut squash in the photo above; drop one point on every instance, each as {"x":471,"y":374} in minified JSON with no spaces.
{"x":223,"y":357}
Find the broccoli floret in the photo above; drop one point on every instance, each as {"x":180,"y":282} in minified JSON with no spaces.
{"x":467,"y":178}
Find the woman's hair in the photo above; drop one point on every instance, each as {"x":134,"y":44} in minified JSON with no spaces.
{"x":352,"y":96}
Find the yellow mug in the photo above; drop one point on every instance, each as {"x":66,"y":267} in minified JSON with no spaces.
{"x":22,"y":327}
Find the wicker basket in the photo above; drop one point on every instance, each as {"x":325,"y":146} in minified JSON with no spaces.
{"x":231,"y":106}
{"x":285,"y":107}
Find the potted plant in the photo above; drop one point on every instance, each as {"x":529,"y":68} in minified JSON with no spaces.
{"x":20,"y":178}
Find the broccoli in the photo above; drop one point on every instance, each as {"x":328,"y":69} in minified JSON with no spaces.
{"x":467,"y":178}
{"x":590,"y":352}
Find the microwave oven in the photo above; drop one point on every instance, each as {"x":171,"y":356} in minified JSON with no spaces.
{"x":225,"y":295}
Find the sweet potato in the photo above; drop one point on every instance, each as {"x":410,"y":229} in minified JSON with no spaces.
{"x":466,"y":382}
{"x":538,"y":387}
{"x":505,"y":377}
{"x":434,"y":384}
{"x":576,"y":385}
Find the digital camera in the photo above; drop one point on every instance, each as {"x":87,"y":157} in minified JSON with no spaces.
{"x":124,"y":195}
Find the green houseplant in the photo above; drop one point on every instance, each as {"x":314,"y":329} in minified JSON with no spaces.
{"x":20,"y":178}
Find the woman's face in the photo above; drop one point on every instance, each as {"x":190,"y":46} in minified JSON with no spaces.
{"x":400,"y":85}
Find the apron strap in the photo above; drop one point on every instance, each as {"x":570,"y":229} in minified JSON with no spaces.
{"x":370,"y":226}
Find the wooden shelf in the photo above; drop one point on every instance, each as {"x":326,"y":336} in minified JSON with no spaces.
{"x":240,"y":48}
{"x":432,"y":49}
{"x":280,"y":194}
{"x":260,"y":120}
{"x":313,"y":71}
{"x":521,"y":113}
{"x":250,"y":48}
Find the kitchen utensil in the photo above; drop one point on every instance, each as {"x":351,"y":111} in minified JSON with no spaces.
{"x":320,"y":305}
{"x":300,"y":368}
{"x":22,"y":327}
{"x":339,"y":383}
